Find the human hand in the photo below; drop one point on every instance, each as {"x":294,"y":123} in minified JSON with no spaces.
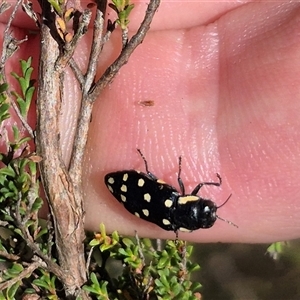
{"x":224,"y":81}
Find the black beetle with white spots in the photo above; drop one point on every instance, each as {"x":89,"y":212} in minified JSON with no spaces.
{"x":153,"y":200}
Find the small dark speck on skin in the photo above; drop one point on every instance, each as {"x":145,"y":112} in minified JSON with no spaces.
{"x":146,"y":102}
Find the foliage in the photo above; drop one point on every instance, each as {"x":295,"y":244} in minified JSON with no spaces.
{"x":276,"y":249}
{"x":146,"y":272}
{"x":26,"y":85}
{"x":123,"y":9}
{"x":4,"y":106}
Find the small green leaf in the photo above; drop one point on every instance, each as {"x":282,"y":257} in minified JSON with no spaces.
{"x":56,"y":6}
{"x":24,"y":140}
{"x":3,"y":87}
{"x":193,"y":268}
{"x":8,"y":171}
{"x":15,"y":75}
{"x":42,"y":232}
{"x":27,"y":74}
{"x":195,"y":286}
{"x":128,"y":242}
{"x":25,"y":64}
{"x":11,"y":291}
{"x":90,"y":289}
{"x":29,"y":93}
{"x":46,"y":281}
{"x":94,"y":242}
{"x":115,"y":236}
{"x":276,"y":249}
{"x":16,"y":132}
{"x":102,"y":230}
{"x":40,"y":283}
{"x":15,"y":270}
{"x":38,"y":203}
{"x":94,"y":279}
{"x":23,"y":84}
{"x":4,"y":112}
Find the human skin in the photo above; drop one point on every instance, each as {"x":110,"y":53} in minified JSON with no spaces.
{"x":224,"y":79}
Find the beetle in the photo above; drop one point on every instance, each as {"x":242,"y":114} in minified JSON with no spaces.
{"x":153,"y":200}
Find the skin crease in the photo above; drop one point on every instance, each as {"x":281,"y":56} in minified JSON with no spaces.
{"x":224,"y":78}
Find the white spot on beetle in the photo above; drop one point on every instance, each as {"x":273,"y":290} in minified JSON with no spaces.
{"x":111,"y":180}
{"x":166,"y":222}
{"x":141,"y":182}
{"x":124,"y":188}
{"x":145,"y":212}
{"x":123,"y":198}
{"x":147,"y":197}
{"x":125,"y":177}
{"x":168,"y":203}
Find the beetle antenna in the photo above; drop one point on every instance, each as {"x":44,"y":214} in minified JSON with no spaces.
{"x":229,"y":222}
{"x":225,"y":201}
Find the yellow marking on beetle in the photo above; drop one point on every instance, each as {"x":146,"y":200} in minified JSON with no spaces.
{"x":123,"y":198}
{"x":124,"y":188}
{"x":145,"y":212}
{"x":137,"y":214}
{"x":110,"y":189}
{"x":147,"y":197}
{"x":125,"y":177}
{"x":168,"y":203}
{"x":184,"y":229}
{"x":111,"y":180}
{"x":141,"y":182}
{"x":160,"y":181}
{"x":185,"y":199}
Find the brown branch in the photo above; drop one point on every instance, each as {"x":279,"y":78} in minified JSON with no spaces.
{"x":137,"y":39}
{"x":6,"y":37}
{"x":22,"y":119}
{"x":182,"y":265}
{"x":77,"y":72}
{"x":9,"y":46}
{"x":88,"y":100}
{"x":63,"y":188}
{"x":51,"y":266}
{"x":64,"y":198}
{"x":9,"y":256}
{"x":70,"y":47}
{"x":96,"y":47}
{"x":84,"y":82}
{"x":25,"y":273}
{"x":88,"y":260}
{"x":50,"y":237}
{"x":75,"y":168}
{"x":4,"y":6}
{"x":124,"y":37}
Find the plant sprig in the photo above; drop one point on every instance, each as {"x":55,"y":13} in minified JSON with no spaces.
{"x":27,"y":86}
